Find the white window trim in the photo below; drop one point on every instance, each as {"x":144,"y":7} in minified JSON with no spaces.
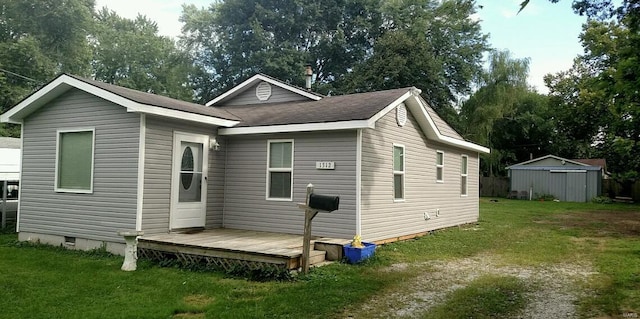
{"x":465,"y":175}
{"x":270,"y":170}
{"x":93,"y":156}
{"x":403,"y":172}
{"x":439,"y":166}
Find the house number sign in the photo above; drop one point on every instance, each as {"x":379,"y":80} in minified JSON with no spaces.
{"x":325,"y":165}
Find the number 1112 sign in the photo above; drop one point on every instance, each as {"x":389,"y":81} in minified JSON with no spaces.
{"x":325,"y":165}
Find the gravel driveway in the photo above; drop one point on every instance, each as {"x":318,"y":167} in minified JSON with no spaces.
{"x":556,"y":288}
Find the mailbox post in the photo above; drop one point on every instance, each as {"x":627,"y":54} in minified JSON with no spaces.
{"x":306,"y":244}
{"x":313,"y":205}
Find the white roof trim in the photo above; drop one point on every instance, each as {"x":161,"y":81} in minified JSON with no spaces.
{"x":419,"y":111}
{"x":65,"y":82}
{"x":259,"y":77}
{"x":329,"y":126}
{"x":545,"y":157}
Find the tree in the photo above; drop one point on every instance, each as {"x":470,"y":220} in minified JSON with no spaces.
{"x":235,"y":39}
{"x":37,"y":40}
{"x":130,"y":53}
{"x":502,"y":102}
{"x":434,"y":46}
{"x":600,"y":94}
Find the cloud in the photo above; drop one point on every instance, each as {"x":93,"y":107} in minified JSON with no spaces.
{"x":507,"y":13}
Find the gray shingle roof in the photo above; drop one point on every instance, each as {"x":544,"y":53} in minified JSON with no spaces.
{"x":158,"y":100}
{"x":442,"y":126}
{"x":360,"y":106}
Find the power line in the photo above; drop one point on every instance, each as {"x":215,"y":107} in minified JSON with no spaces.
{"x":18,"y":75}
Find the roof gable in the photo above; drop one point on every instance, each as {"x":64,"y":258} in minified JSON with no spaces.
{"x":548,"y":160}
{"x":255,"y":80}
{"x":134,"y":101}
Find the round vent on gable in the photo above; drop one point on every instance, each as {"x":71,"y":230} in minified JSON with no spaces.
{"x":263,"y":91}
{"x":401,"y":114}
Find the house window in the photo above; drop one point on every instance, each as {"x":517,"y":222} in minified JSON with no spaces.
{"x":439,"y":166}
{"x":463,"y":175}
{"x":280,"y":170}
{"x":398,"y":172}
{"x":74,"y":161}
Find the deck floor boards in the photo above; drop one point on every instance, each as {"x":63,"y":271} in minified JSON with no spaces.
{"x":234,"y":240}
{"x":234,"y":244}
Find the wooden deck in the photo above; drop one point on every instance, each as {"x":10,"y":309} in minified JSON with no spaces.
{"x":228,"y":248}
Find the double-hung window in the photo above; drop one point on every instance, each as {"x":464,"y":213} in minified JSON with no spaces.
{"x":280,"y":170}
{"x":439,"y":166}
{"x":398,"y":172}
{"x":464,"y":166}
{"x":74,"y":160}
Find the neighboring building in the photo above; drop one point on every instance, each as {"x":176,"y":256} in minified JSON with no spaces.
{"x":9,"y":177}
{"x":601,"y":162}
{"x":565,"y":179}
{"x":99,"y":158}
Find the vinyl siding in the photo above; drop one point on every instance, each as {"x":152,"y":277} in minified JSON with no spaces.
{"x":278,"y":95}
{"x":112,"y":205}
{"x":246,"y":206}
{"x":382,"y":218}
{"x":157,"y":176}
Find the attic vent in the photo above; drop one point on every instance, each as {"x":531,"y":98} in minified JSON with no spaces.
{"x":401,"y":114}
{"x":263,"y":91}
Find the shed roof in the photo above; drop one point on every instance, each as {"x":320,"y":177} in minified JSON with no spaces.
{"x":538,"y":159}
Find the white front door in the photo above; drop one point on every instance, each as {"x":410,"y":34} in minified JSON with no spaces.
{"x":189,"y":180}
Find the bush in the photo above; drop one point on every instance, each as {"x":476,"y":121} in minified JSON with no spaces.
{"x":545,"y":197}
{"x":602,"y":200}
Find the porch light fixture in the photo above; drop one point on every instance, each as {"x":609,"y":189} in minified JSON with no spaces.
{"x":214,"y":145}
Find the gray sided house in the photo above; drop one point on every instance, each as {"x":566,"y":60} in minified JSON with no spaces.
{"x":98,"y":158}
{"x":565,"y":179}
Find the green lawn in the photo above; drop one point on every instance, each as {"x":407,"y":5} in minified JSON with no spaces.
{"x":46,"y":282}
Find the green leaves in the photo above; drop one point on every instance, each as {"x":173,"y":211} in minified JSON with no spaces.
{"x":130,"y":53}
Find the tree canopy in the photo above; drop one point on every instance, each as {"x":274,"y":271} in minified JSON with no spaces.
{"x":130,"y":53}
{"x":353,"y":45}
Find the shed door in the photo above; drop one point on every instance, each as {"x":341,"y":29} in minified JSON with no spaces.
{"x":189,"y":180}
{"x":577,"y":187}
{"x":558,"y":185}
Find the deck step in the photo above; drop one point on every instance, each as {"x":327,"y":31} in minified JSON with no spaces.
{"x":317,"y":256}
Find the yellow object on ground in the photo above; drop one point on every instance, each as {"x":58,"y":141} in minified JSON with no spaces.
{"x":357,"y":242}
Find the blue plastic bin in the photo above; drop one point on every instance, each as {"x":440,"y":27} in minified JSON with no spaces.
{"x":356,"y":255}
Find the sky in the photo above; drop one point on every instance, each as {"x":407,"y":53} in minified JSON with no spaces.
{"x":544,"y":32}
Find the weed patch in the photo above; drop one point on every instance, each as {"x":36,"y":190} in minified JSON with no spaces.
{"x":485,"y":297}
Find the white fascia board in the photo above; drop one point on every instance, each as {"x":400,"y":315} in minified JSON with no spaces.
{"x":160,"y":111}
{"x":259,"y":77}
{"x":308,"y":127}
{"x":64,"y":82}
{"x":422,"y":114}
{"x":464,"y":144}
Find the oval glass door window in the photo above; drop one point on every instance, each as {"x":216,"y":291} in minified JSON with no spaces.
{"x":186,"y":167}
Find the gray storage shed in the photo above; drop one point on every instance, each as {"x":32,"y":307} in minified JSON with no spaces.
{"x":567,"y":180}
